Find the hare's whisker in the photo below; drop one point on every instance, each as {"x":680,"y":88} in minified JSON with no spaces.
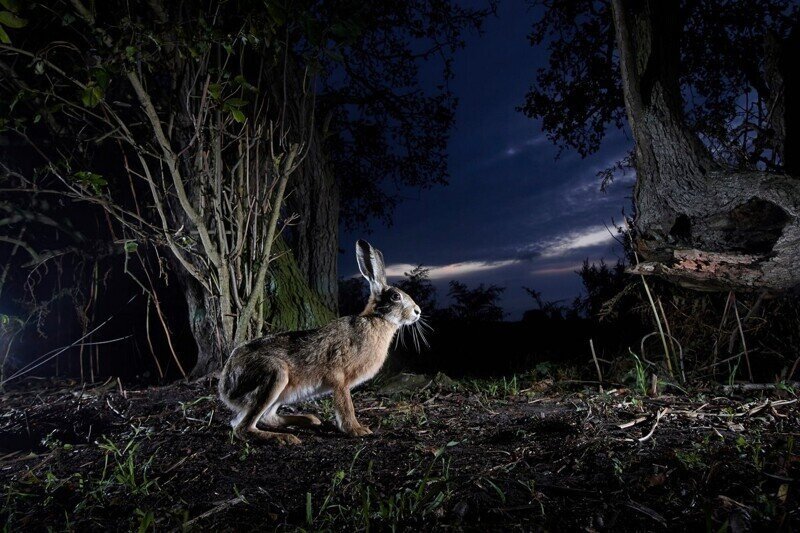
{"x":416,"y":340}
{"x":422,"y":335}
{"x":424,"y":324}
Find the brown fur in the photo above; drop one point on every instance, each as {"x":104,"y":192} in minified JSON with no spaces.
{"x":265,"y":373}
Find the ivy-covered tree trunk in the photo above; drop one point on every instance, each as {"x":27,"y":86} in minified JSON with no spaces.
{"x":696,"y":223}
{"x":289,"y":304}
{"x":316,"y":233}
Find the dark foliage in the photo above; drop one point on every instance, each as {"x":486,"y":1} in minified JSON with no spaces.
{"x":383,"y":131}
{"x":724,"y":76}
{"x":479,"y":304}
{"x":418,"y":285}
{"x":54,"y":119}
{"x":353,"y":295}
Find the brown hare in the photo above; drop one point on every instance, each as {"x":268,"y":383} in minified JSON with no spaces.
{"x":263,"y":374}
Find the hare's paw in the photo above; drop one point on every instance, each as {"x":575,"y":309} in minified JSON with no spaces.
{"x":359,"y":431}
{"x":255,"y":434}
{"x":287,"y":438}
{"x":313,"y":420}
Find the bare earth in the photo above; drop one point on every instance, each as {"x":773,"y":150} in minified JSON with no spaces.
{"x":488,"y":455}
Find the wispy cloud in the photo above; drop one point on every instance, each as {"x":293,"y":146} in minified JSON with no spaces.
{"x":562,"y":245}
{"x":452,"y":270}
{"x":528,"y":143}
{"x":568,"y":269}
{"x":587,"y":238}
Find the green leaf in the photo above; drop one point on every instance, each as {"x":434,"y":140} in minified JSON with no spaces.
{"x":100,"y":75}
{"x":130,"y":51}
{"x":245,"y":84}
{"x":131,"y":246}
{"x":95,"y":181}
{"x":235,"y":102}
{"x":276,"y":13}
{"x":215,"y":90}
{"x":237,"y":115}
{"x":4,"y":38}
{"x":92,"y":95}
{"x":11,"y":5}
{"x":10,"y":20}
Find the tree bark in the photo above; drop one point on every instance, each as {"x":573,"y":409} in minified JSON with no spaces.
{"x":316,"y":235}
{"x":696,"y":223}
{"x":289,"y":303}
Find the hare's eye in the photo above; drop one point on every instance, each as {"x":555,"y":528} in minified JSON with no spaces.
{"x":396,"y":297}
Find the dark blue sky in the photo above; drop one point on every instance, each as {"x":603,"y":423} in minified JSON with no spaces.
{"x":512,"y":214}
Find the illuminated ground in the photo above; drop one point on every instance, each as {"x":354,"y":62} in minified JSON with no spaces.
{"x":489,"y":455}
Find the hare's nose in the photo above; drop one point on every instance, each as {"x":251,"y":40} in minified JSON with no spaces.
{"x":417,"y":310}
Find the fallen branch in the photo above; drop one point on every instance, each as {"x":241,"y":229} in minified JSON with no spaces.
{"x":661,"y":413}
{"x":632,"y":423}
{"x":220,"y":507}
{"x":744,"y":387}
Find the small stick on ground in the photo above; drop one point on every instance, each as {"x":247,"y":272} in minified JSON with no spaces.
{"x":744,"y":343}
{"x":596,"y":364}
{"x":221,"y":507}
{"x":661,"y":413}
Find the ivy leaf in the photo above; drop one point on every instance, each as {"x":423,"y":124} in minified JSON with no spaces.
{"x":92,"y":95}
{"x":131,"y":246}
{"x":90,"y":179}
{"x":130,"y":52}
{"x":237,"y":115}
{"x":235,"y":102}
{"x":10,"y":20}
{"x":276,"y":13}
{"x":245,"y":84}
{"x":4,"y":38}
{"x":11,"y":5}
{"x":215,"y":90}
{"x":100,"y":75}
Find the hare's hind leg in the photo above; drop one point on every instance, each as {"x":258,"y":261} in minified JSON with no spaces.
{"x":297,"y":420}
{"x":263,"y":399}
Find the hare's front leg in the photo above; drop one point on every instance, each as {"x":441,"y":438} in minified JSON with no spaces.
{"x":345,"y":414}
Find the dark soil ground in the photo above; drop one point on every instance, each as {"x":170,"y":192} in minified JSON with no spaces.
{"x":478,"y":455}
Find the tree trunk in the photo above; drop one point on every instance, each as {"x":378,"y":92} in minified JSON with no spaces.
{"x":205,"y":324}
{"x":696,"y":223}
{"x":316,"y":235}
{"x":289,"y":302}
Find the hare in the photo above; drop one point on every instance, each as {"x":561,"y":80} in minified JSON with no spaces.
{"x":263,"y":374}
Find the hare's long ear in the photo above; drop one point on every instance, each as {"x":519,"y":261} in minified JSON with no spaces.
{"x":370,"y":263}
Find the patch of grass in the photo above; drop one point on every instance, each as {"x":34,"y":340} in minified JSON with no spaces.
{"x":691,"y":459}
{"x":639,"y":374}
{"x":187,"y":409}
{"x":125,"y":475}
{"x":125,"y":470}
{"x":355,"y":501}
{"x":494,"y":389}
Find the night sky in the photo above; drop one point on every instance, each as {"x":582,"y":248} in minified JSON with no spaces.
{"x":513,"y":214}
